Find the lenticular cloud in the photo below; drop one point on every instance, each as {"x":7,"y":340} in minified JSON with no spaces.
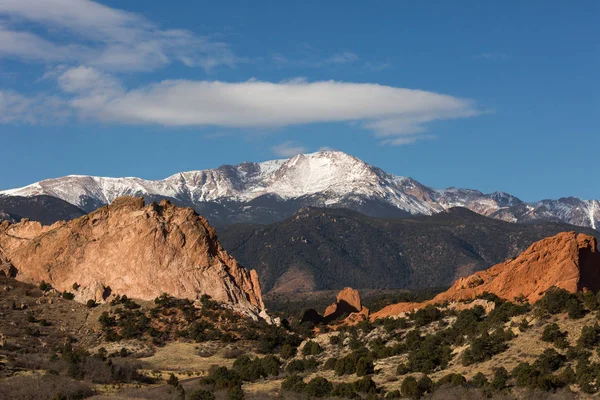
{"x":389,"y":111}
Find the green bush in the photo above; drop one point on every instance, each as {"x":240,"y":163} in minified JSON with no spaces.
{"x":293,"y":383}
{"x":552,"y":333}
{"x":345,"y":391}
{"x":235,"y":393}
{"x":364,"y":385}
{"x":485,"y":347}
{"x":173,"y":381}
{"x":453,"y":380}
{"x":330,"y":363}
{"x":311,"y":349}
{"x":575,"y":309}
{"x":45,"y":287}
{"x":68,"y":295}
{"x":479,"y":380}
{"x":288,"y":351}
{"x":427,"y":315}
{"x":555,"y":300}
{"x":402,"y":369}
{"x":200,"y":394}
{"x":318,"y":387}
{"x":500,"y":379}
{"x":91,"y":303}
{"x":589,"y":337}
{"x":549,"y":361}
{"x":432,"y":353}
{"x":410,"y":388}
{"x":392,"y":395}
{"x":364,"y":366}
{"x":295,"y":366}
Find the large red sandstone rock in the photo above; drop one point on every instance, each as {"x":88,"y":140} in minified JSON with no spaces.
{"x":568,"y":260}
{"x":347,"y":299}
{"x":133,"y":249}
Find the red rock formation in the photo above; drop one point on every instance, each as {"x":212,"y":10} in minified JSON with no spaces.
{"x":568,"y":260}
{"x":347,"y":304}
{"x":133,"y":249}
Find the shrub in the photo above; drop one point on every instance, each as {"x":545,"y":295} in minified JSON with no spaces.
{"x":318,"y":387}
{"x":335,"y":340}
{"x":364,"y":366}
{"x":394,"y":394}
{"x":288,"y":351}
{"x":402,"y":369}
{"x":311,"y":349}
{"x":552,"y":333}
{"x":91,"y":303}
{"x":500,"y":379}
{"x":589,"y":336}
{"x":431,"y":354}
{"x":222,"y":378}
{"x":365,"y":385}
{"x":549,"y":361}
{"x":330,"y":363}
{"x":427,"y":315}
{"x":173,"y":381}
{"x":575,"y":309}
{"x":344,"y":390}
{"x":293,"y":383}
{"x":200,"y":394}
{"x":410,"y":388}
{"x":68,"y":295}
{"x":295,"y":366}
{"x":452,"y":379}
{"x":485,"y":347}
{"x":479,"y":380}
{"x":555,"y":300}
{"x":235,"y":393}
{"x":44,"y":287}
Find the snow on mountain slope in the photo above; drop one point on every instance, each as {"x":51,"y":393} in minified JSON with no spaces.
{"x":327,"y":178}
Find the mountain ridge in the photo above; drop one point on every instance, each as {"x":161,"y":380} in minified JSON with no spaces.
{"x":269,"y":191}
{"x":328,"y":249}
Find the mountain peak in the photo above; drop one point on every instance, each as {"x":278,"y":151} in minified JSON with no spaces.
{"x":250,"y":191}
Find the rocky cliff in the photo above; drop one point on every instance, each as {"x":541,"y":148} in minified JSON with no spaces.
{"x":568,"y":260}
{"x":134,"y":249}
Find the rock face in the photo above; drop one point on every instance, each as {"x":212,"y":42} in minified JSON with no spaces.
{"x":568,"y":260}
{"x":133,"y":249}
{"x":347,"y":304}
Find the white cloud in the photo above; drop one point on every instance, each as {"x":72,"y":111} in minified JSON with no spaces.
{"x":101,"y":36}
{"x":16,"y":108}
{"x":386,"y":110}
{"x":288,"y":149}
{"x":395,"y":115}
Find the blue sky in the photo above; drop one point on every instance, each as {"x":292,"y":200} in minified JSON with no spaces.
{"x":484,"y":95}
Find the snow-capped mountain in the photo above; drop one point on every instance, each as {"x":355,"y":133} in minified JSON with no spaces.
{"x":268,"y":191}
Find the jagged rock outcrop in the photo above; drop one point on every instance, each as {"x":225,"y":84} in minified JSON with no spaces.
{"x":134,"y":249}
{"x":347,"y":304}
{"x":568,"y":260}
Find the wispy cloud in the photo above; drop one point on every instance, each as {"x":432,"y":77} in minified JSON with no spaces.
{"x":288,"y":149}
{"x":86,"y":32}
{"x":43,"y":108}
{"x":307,"y":56}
